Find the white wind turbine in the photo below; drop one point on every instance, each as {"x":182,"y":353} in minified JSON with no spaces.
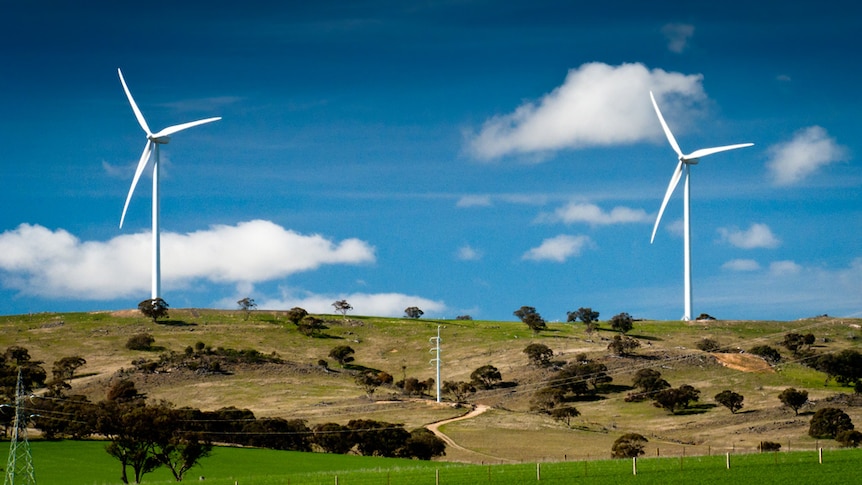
{"x":152,"y":147}
{"x":685,"y":161}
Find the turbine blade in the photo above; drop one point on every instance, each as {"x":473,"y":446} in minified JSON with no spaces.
{"x":137,"y":111}
{"x":709,"y":151}
{"x":145,"y":157}
{"x":674,"y":180}
{"x":173,"y":129}
{"x":664,"y":126}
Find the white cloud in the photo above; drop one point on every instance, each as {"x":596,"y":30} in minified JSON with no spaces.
{"x":810,"y":149}
{"x":558,"y":248}
{"x":37,"y":261}
{"x":372,"y":304}
{"x":597,"y":105}
{"x":677,"y":36}
{"x":474,"y":201}
{"x":757,"y":236}
{"x":593,"y":214}
{"x":468,"y":253}
{"x":783,"y":268}
{"x":741,"y":265}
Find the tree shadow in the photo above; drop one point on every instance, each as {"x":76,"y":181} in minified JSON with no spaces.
{"x":176,"y":323}
{"x":696,"y":409}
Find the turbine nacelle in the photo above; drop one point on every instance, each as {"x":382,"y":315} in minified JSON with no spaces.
{"x":161,"y":140}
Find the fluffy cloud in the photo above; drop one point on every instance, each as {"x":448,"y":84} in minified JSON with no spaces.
{"x":741,"y":265}
{"x":757,"y":236}
{"x":558,"y":248}
{"x":677,"y":36}
{"x":811,"y":148}
{"x":474,"y":201}
{"x":377,"y":304}
{"x":784,"y":268}
{"x":598,"y":104}
{"x":37,"y":261}
{"x":594,"y":215}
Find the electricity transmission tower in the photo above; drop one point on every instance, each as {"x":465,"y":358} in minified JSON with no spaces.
{"x":19,"y":466}
{"x":436,"y":360}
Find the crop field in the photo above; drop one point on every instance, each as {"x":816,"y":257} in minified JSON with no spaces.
{"x":86,"y":463}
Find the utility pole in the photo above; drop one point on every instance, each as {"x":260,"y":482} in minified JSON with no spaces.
{"x":436,"y":360}
{"x":19,"y":467}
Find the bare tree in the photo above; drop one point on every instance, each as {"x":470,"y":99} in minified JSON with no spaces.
{"x":342,"y":307}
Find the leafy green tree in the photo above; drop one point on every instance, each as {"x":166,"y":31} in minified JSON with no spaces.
{"x":828,"y":422}
{"x":531,"y":318}
{"x":845,"y":366}
{"x":17,"y":358}
{"x":343,"y":354}
{"x":376,"y":438}
{"x":332,"y":438}
{"x":565,"y":414}
{"x":342,"y":307}
{"x":311,"y":326}
{"x":63,"y":371}
{"x":849,"y":438}
{"x":623,"y":345}
{"x":413,"y":312}
{"x":458,"y":390}
{"x":622,"y":322}
{"x":793,"y":399}
{"x":370,"y":380}
{"x":141,"y":341}
{"x":676,"y":399}
{"x":296,"y":314}
{"x":247,"y":305}
{"x":423,"y":445}
{"x":729,"y":399}
{"x":539,"y":354}
{"x":629,"y":445}
{"x":131,"y":428}
{"x":769,"y":354}
{"x":647,"y":382}
{"x":796,"y":342}
{"x":154,"y":308}
{"x":586,"y":315}
{"x":486,"y":377}
{"x":174,"y":446}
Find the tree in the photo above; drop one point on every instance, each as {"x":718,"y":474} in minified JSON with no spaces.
{"x":343,"y":354}
{"x":539,"y":354}
{"x":531,"y":318}
{"x":175,"y":447}
{"x":796,"y":342}
{"x":332,"y":438}
{"x":458,"y":390}
{"x":311,"y":326}
{"x":675,"y":400}
{"x":486,"y":376}
{"x":370,"y":380}
{"x":793,"y":399}
{"x":565,"y":414}
{"x":376,"y":438}
{"x":648,"y":381}
{"x":629,"y":445}
{"x":423,"y":445}
{"x":849,"y":438}
{"x":828,"y":422}
{"x":247,"y":305}
{"x":296,"y":314}
{"x":622,"y":323}
{"x":730,"y":400}
{"x":586,"y":315}
{"x":413,"y":312}
{"x":62,"y":372}
{"x":708,"y":345}
{"x":769,"y":354}
{"x":155,"y":308}
{"x":623,"y":345}
{"x":131,"y":429}
{"x":341,"y":306}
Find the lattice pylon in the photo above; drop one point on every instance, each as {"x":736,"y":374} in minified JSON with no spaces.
{"x":19,"y":466}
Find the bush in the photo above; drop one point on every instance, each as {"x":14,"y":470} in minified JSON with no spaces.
{"x":765,"y":446}
{"x":768,"y":353}
{"x":141,"y":341}
{"x":622,"y":323}
{"x":849,"y":438}
{"x":708,"y":345}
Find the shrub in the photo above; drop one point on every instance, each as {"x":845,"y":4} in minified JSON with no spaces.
{"x":849,"y":438}
{"x":765,"y":446}
{"x":622,"y":323}
{"x":708,"y":345}
{"x":141,"y":341}
{"x":768,"y":353}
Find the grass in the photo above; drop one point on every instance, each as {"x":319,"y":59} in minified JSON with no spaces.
{"x":86,"y":463}
{"x":401,"y":347}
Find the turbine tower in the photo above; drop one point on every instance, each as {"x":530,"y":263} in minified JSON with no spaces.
{"x":684,"y":165}
{"x":152,"y":148}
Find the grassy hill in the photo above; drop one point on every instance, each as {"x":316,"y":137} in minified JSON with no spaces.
{"x":508,"y":432}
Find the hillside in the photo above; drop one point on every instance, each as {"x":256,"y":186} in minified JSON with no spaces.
{"x":301,"y":388}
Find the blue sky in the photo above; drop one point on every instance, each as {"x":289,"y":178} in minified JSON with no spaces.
{"x":465,"y":157}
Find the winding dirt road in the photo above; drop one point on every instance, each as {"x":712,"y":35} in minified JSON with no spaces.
{"x":435,"y":428}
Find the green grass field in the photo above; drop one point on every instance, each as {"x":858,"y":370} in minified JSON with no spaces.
{"x":86,"y":463}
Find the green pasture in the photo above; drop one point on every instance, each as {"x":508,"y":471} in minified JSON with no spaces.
{"x":86,"y":463}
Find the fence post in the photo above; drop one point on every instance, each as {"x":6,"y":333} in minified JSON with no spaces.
{"x":634,"y":465}
{"x":437,"y":476}
{"x":336,"y":479}
{"x":727,"y":460}
{"x":538,"y":473}
{"x":820,"y":455}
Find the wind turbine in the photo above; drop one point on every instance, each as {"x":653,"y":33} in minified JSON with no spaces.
{"x":685,"y":163}
{"x":152,"y":148}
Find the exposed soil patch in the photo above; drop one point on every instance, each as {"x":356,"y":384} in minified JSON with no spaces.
{"x":744,"y":362}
